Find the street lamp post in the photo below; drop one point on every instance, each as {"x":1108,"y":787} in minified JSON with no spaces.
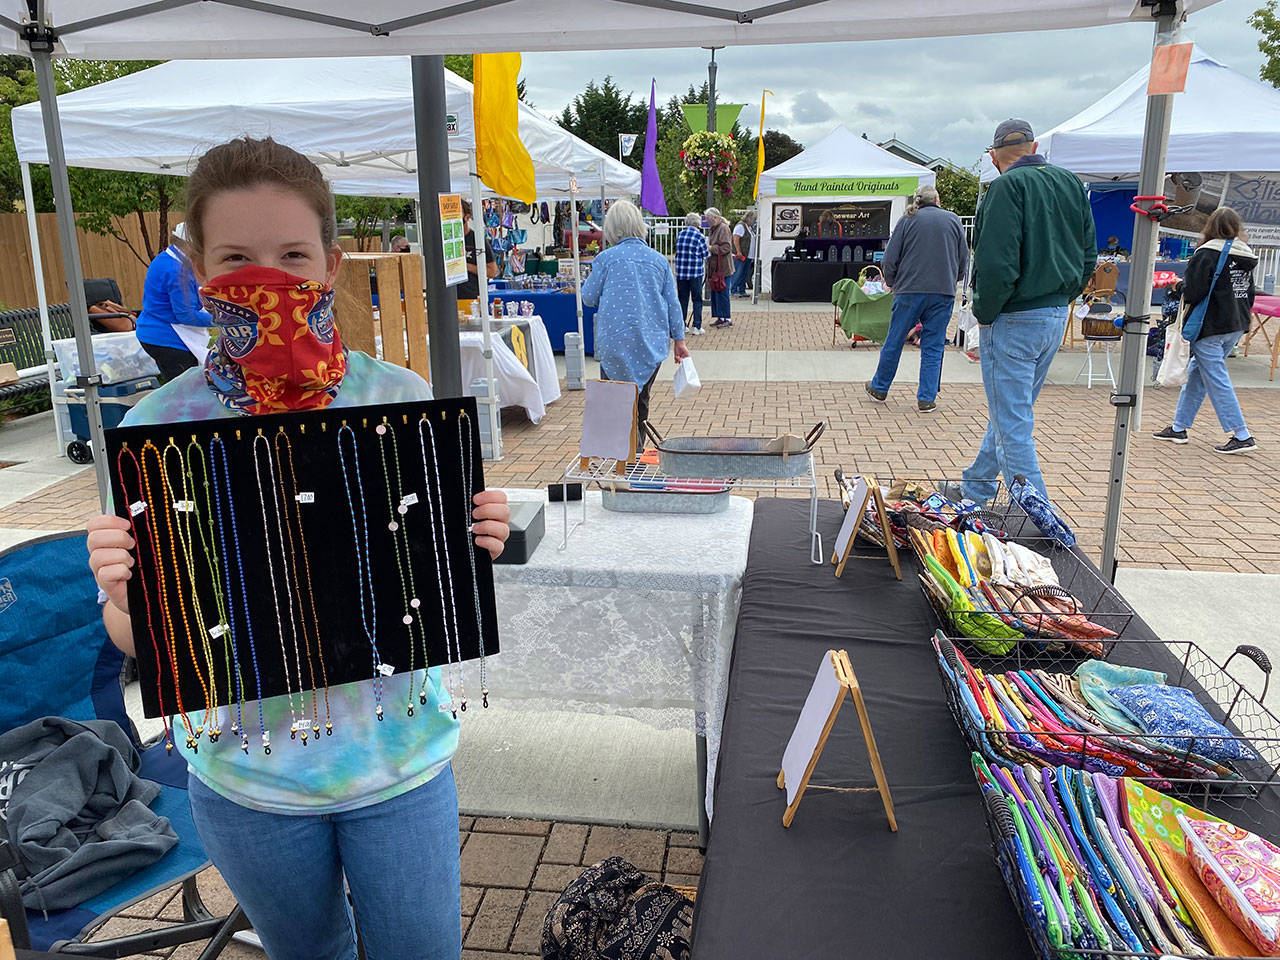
{"x":711,"y":121}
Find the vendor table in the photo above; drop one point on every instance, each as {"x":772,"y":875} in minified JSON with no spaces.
{"x":1178,"y":267}
{"x":559,"y":312}
{"x":807,"y":281}
{"x":542,"y":361}
{"x":837,"y":882}
{"x":1265,"y":308}
{"x":516,"y":386}
{"x":634,"y":617}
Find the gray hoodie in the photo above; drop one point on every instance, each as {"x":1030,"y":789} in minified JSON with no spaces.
{"x":927,"y":253}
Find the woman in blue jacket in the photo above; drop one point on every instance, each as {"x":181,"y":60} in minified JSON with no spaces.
{"x":170,"y":295}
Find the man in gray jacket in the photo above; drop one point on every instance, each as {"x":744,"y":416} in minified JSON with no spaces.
{"x":926,"y":257}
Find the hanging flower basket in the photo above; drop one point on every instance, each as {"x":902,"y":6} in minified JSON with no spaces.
{"x":706,"y":152}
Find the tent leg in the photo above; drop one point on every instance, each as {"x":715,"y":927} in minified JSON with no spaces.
{"x":577,"y":280}
{"x":433,"y":180}
{"x":88,"y":378}
{"x":1127,"y":397}
{"x":46,"y":331}
{"x":492,"y":402}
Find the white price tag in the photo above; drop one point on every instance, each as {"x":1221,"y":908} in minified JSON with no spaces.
{"x":184,"y":506}
{"x":386,"y":669}
{"x":217,"y":630}
{"x":306,"y":497}
{"x":408,"y":500}
{"x":136,"y":508}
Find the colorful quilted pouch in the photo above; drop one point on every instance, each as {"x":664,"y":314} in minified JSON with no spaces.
{"x":1223,"y":936}
{"x":1041,"y":511}
{"x":1174,"y":717}
{"x":1242,"y":871}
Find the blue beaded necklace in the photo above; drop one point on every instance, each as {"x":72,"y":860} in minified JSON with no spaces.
{"x":364,"y":566}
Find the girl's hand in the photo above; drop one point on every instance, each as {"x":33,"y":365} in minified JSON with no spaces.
{"x":490,"y":515}
{"x":109,"y":559}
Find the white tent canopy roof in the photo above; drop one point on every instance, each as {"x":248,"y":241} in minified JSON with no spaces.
{"x":213,"y":29}
{"x":352,"y":116}
{"x":1222,"y":122}
{"x":842,"y":153}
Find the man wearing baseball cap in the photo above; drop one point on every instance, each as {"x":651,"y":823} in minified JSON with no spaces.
{"x":1034,"y":251}
{"x":171,"y":316}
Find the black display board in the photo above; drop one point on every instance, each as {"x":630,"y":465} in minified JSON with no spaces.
{"x":306,"y":531}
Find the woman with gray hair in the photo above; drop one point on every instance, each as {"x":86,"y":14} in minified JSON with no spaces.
{"x":719,"y":266}
{"x":927,"y":257}
{"x":638,"y":312}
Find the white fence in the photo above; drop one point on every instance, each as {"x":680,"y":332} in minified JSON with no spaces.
{"x":662,"y":234}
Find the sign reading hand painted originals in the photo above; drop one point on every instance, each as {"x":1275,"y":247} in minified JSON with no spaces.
{"x":847,"y":186}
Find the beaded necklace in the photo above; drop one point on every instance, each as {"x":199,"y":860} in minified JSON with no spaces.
{"x":397,"y":518}
{"x":464,"y":450}
{"x":225,"y":634}
{"x":169,"y":622}
{"x":275,"y":594}
{"x":364,"y":568}
{"x":139,"y":508}
{"x":216,"y":446}
{"x":184,"y":508}
{"x":291,"y":500}
{"x":440,"y":544}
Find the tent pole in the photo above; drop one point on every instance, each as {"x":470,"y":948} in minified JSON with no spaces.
{"x":42,"y":300}
{"x":433,"y":180}
{"x":602,"y":243}
{"x":1127,"y":398}
{"x":417,"y":218}
{"x":88,"y":379}
{"x":491,"y":400}
{"x":577,"y":272}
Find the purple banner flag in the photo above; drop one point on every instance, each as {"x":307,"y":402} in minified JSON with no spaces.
{"x":651,"y":196}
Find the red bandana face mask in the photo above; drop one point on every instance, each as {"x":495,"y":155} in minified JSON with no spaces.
{"x":277,"y":346}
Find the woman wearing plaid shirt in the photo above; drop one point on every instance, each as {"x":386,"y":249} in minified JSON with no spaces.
{"x":691,"y":259}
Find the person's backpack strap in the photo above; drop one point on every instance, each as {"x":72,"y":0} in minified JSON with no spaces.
{"x":1195,"y":319}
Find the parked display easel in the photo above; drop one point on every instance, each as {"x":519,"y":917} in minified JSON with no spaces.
{"x":834,"y":679}
{"x":856,"y":496}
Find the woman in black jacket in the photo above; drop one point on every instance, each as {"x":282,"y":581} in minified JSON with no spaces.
{"x":1227,"y":318}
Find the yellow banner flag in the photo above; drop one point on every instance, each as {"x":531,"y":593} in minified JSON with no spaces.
{"x":760,"y":144}
{"x":501,"y":159}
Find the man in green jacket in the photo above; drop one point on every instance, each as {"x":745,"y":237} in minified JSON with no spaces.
{"x":1034,"y":251}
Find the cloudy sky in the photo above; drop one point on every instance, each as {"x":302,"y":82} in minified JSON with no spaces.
{"x":942,"y":96}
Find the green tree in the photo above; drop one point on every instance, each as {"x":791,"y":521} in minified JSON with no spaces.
{"x":958,"y":191}
{"x":601,"y":112}
{"x":17,"y":86}
{"x":368,"y":213}
{"x":779,"y":147}
{"x":463,"y":66}
{"x":1266,"y":20}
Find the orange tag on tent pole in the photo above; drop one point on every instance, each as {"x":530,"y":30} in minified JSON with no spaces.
{"x":1169,"y":65}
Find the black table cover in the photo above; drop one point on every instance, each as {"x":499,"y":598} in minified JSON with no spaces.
{"x":807,"y":281}
{"x":837,"y":882}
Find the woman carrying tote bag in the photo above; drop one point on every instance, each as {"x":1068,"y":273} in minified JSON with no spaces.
{"x":1218,"y":298}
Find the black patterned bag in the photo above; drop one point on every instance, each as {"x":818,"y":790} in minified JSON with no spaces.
{"x":615,"y":912}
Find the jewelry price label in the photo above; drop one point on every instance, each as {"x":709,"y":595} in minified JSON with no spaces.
{"x":249,"y":587}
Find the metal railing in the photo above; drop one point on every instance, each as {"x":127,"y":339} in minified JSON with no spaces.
{"x":662,"y":234}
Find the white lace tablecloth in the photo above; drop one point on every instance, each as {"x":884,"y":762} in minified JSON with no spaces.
{"x":635,"y":617}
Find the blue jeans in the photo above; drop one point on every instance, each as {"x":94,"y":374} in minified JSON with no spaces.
{"x":720,"y":304}
{"x":1207,"y":373}
{"x":741,"y":273}
{"x":399,"y":857}
{"x":934,"y":311}
{"x":1016,"y":350}
{"x":686,"y":288}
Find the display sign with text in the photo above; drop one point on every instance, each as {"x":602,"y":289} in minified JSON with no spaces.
{"x":847,"y":186}
{"x":454,"y":244}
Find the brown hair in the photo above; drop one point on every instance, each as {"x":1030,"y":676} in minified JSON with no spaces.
{"x":246,"y":162}
{"x":1223,"y":224}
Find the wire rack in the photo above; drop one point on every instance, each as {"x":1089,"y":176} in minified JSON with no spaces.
{"x":636,"y":476}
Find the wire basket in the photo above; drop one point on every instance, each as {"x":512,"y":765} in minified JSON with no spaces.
{"x":1085,"y":596}
{"x":1002,"y":511}
{"x":1181,"y":767}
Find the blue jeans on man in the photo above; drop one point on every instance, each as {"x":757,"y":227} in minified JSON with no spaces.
{"x":933,"y":311}
{"x":691,"y":288}
{"x":1207,"y":374}
{"x":1016,"y":350}
{"x":741,"y":274}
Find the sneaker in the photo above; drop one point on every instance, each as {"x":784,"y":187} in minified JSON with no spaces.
{"x":926,"y":406}
{"x":697,"y":331}
{"x":1172,"y":435}
{"x":1235,"y":445}
{"x":719,"y":323}
{"x":876,"y":395}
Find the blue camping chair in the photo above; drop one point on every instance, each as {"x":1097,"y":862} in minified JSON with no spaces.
{"x":56,"y":660}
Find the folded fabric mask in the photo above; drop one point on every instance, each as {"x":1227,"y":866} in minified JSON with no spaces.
{"x":1174,"y":717}
{"x":277,"y":347}
{"x":1242,"y":871}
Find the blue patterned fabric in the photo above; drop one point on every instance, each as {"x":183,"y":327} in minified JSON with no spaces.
{"x":1176,"y":719}
{"x":1041,"y":511}
{"x":691,"y":254}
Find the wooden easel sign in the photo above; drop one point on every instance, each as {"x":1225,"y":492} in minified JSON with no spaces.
{"x":834,"y":679}
{"x":861,"y":492}
{"x":609,"y":422}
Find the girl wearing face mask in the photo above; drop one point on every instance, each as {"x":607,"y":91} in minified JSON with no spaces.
{"x":376,"y":805}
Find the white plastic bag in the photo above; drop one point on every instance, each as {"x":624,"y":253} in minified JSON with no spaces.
{"x":1177,"y":355}
{"x":968,"y":326}
{"x":686,"y":380}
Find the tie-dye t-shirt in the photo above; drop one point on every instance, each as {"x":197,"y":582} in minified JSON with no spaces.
{"x":365,"y":761}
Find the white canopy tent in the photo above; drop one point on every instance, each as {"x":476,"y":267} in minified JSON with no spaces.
{"x":840,"y":168}
{"x":1223,"y":122}
{"x":426,"y":29}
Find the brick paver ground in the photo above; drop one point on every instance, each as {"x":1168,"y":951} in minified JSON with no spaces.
{"x":512,"y":872}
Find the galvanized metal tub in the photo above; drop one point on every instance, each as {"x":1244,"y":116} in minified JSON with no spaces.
{"x":740,"y":457}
